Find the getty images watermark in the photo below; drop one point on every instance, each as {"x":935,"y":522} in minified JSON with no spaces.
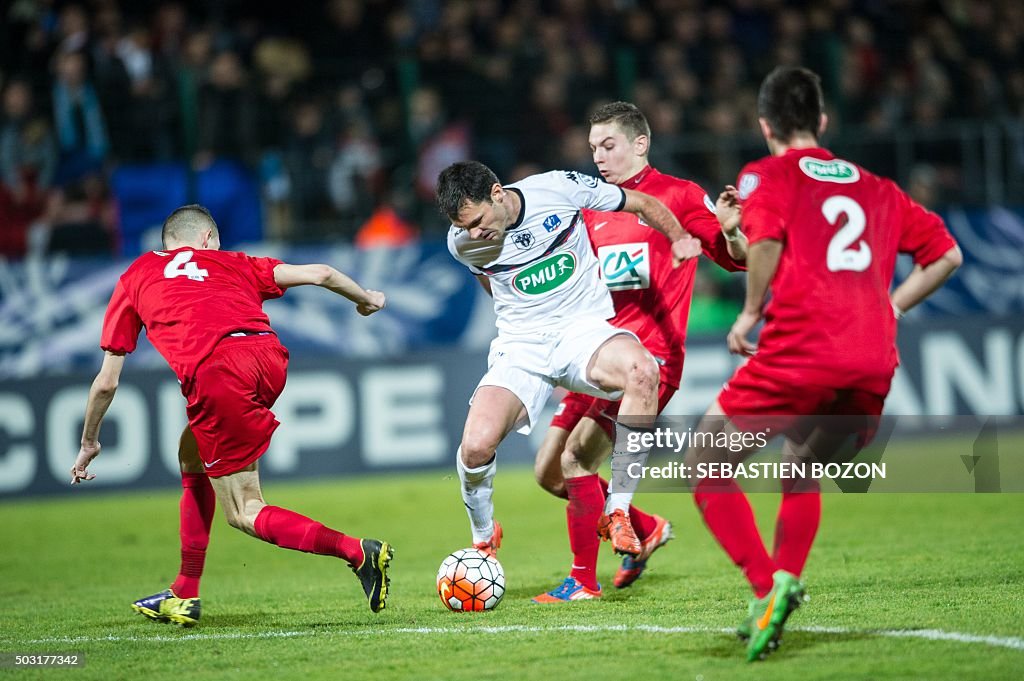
{"x":846,"y":453}
{"x":767,"y":470}
{"x":670,"y":439}
{"x":676,"y":441}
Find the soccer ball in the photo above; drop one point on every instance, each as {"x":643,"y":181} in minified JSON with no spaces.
{"x":470,"y":580}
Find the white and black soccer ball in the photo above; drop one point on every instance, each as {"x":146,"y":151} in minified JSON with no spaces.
{"x":469,"y":580}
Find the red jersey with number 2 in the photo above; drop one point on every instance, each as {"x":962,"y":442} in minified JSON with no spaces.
{"x":188,"y":300}
{"x":829,"y":321}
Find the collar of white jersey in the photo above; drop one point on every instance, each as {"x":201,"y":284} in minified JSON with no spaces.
{"x":522,"y":208}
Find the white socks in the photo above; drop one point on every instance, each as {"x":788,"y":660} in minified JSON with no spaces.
{"x":625,"y":451}
{"x":477,"y":488}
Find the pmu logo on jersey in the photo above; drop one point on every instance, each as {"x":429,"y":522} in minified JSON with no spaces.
{"x":523,"y":239}
{"x":836,"y":170}
{"x":625,"y":267}
{"x":546,"y":275}
{"x":552,"y":222}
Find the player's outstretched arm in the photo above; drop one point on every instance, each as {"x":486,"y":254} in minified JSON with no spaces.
{"x":729,"y":214}
{"x":924,"y":281}
{"x":101,"y":393}
{"x":658,"y":216}
{"x":367,"y":301}
{"x":762,"y":261}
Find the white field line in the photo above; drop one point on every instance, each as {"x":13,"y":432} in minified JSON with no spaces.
{"x":1010,"y":642}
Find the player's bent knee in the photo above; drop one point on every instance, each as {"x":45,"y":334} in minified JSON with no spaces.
{"x":477,"y":450}
{"x":643,"y":374}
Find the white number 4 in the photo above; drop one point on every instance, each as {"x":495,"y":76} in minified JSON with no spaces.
{"x":182,"y":266}
{"x":840,"y":254}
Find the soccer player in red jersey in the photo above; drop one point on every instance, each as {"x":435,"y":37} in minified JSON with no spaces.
{"x":202,"y":309}
{"x":652,"y":299}
{"x":824,"y":235}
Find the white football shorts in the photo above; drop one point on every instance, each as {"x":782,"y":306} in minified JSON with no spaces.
{"x":530,"y":365}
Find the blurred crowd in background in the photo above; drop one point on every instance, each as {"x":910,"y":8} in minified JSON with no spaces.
{"x":344,"y":111}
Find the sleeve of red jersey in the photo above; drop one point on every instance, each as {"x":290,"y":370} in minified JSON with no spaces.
{"x":121,"y":324}
{"x":263,"y":270}
{"x":923,"y":233}
{"x":696,"y":212}
{"x":763,"y":202}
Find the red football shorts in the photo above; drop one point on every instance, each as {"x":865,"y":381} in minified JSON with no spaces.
{"x":575,"y":406}
{"x":759,"y":397}
{"x":230,"y":398}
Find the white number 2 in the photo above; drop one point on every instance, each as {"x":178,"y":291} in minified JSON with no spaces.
{"x":182,"y":266}
{"x":840,"y":254}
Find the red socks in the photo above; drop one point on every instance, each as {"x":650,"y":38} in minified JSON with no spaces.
{"x":728,"y":515}
{"x":796,"y":524}
{"x":643,"y":524}
{"x":290,"y":530}
{"x":273,"y":524}
{"x":198,"y":502}
{"x":586,"y":503}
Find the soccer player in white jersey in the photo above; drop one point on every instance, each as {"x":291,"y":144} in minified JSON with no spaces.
{"x":527,"y":244}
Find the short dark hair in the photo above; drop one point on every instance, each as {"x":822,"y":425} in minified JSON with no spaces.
{"x":627,"y":116}
{"x":461,"y":183}
{"x":791,"y":101}
{"x":187,"y":223}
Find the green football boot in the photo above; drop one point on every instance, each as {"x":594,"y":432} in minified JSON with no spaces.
{"x":768,"y":615}
{"x":747,"y":625}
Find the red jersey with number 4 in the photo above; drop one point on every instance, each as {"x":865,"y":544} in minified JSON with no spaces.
{"x":829,"y":320}
{"x":651,"y":297}
{"x":188,"y":300}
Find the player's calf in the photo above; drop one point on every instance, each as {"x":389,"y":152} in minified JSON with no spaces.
{"x":547,"y":467}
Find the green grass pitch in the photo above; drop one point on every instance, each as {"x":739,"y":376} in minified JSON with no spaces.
{"x":886,"y":569}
